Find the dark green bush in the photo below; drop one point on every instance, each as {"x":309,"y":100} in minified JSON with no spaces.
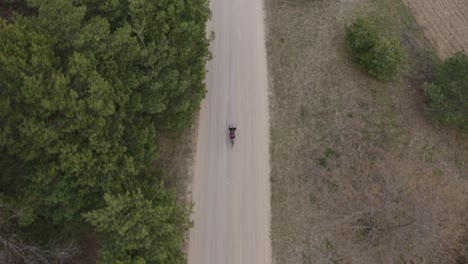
{"x":383,"y":60}
{"x":447,"y":95}
{"x":361,"y":36}
{"x":380,"y":57}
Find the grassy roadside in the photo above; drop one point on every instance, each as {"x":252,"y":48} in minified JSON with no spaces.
{"x":177,"y":168}
{"x":180,"y":149}
{"x":357,"y":170}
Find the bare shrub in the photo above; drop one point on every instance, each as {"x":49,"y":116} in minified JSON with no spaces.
{"x":14,"y":250}
{"x":390,"y":218}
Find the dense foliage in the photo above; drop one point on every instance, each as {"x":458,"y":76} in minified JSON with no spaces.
{"x":84,"y":88}
{"x":361,"y":36}
{"x":380,"y":57}
{"x":136,"y":226}
{"x":447,"y":94}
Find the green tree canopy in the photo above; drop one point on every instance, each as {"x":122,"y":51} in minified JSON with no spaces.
{"x":172,"y":35}
{"x":85,"y":86}
{"x":135,"y":227}
{"x":447,"y":94}
{"x":64,"y":121}
{"x":380,"y":57}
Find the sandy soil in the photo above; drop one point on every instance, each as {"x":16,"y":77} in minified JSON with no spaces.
{"x":445,"y":22}
{"x":231,"y":184}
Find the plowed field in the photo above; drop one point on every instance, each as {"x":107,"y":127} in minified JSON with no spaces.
{"x":445,"y":23}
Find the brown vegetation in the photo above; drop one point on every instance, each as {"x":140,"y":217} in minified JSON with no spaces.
{"x":444,"y":22}
{"x":397,"y":213}
{"x":358,"y":173}
{"x":15,"y":250}
{"x":176,"y":168}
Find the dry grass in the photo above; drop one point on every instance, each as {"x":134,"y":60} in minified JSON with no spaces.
{"x":358,"y":173}
{"x":176,"y":158}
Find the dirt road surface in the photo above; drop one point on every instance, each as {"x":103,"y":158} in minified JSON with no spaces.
{"x":231,"y":184}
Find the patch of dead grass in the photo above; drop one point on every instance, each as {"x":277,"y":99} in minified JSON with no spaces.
{"x":389,"y":166}
{"x":176,"y":157}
